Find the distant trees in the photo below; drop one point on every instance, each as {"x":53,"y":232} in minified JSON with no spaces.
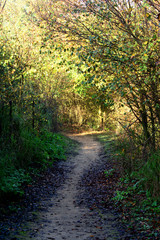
{"x":41,"y":79}
{"x":119,"y":42}
{"x":82,"y":57}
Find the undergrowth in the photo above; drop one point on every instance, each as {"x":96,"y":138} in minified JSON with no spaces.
{"x":26,"y":154}
{"x":138,"y":190}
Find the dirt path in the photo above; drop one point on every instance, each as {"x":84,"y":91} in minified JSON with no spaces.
{"x":65,"y":219}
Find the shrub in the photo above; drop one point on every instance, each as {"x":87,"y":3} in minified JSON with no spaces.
{"x":150,"y":175}
{"x":28,"y":150}
{"x":11,"y":179}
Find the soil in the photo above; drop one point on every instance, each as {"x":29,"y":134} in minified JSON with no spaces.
{"x":69,"y":201}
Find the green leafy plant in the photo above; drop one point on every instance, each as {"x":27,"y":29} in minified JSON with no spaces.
{"x":120,"y":195}
{"x":110,"y":172}
{"x":11,"y":179}
{"x":28,"y":153}
{"x":149,"y":175}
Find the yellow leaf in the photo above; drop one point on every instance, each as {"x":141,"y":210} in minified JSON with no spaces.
{"x":130,"y":9}
{"x":133,"y":55}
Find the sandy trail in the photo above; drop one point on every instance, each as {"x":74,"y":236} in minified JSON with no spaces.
{"x":65,"y":219}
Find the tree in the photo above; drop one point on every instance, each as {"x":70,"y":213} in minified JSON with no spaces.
{"x":124,"y":38}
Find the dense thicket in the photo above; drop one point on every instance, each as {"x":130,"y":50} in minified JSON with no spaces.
{"x":85,"y":64}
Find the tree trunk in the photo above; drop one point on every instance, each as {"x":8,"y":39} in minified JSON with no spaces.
{"x":10,"y":119}
{"x":33,"y":114}
{"x":1,"y":117}
{"x":153,"y":128}
{"x":144,"y":117}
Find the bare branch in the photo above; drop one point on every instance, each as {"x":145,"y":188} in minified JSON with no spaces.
{"x":2,"y":5}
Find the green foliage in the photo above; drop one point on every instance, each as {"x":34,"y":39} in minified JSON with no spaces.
{"x":109,"y":173}
{"x":139,"y":209}
{"x":145,"y":172}
{"x":120,"y":195}
{"x":28,"y":151}
{"x":39,"y":150}
{"x":149,"y":175}
{"x":138,"y":205}
{"x":11,"y":179}
{"x":55,"y":145}
{"x":137,"y":192}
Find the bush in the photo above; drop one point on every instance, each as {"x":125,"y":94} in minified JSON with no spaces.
{"x":150,"y":175}
{"x":11,"y":179}
{"x":28,"y":150}
{"x":39,"y":150}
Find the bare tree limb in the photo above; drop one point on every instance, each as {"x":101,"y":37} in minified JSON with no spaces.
{"x":2,"y":5}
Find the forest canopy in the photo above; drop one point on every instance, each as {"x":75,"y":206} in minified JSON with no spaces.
{"x":80,"y":65}
{"x":78,"y":61}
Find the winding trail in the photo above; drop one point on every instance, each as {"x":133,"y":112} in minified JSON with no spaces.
{"x":65,"y":219}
